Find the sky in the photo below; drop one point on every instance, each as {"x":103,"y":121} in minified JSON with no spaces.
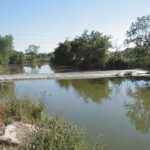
{"x":48,"y":22}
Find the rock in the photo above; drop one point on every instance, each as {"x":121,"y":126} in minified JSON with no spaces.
{"x":16,"y":133}
{"x":2,"y":127}
{"x":128,"y":73}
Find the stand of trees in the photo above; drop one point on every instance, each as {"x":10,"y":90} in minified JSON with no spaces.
{"x":90,"y":51}
{"x":139,"y":35}
{"x":7,"y":53}
{"x":10,"y":56}
{"x":87,"y":51}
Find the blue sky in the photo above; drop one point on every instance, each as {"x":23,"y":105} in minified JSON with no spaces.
{"x":48,"y":22}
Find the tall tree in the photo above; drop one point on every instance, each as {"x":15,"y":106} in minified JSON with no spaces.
{"x":6,"y":46}
{"x":32,"y":51}
{"x":139,"y":35}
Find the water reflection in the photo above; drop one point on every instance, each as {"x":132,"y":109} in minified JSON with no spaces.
{"x":26,"y":69}
{"x":96,"y":90}
{"x":32,"y":69}
{"x":119,"y":107}
{"x":35,"y":68}
{"x":11,"y":69}
{"x":139,"y":109}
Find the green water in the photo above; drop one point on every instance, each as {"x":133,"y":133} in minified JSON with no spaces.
{"x":118,"y":109}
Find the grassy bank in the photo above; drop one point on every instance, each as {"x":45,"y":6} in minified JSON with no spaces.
{"x":52,"y":133}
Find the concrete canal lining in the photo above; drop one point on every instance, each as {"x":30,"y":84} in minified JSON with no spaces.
{"x":76,"y":75}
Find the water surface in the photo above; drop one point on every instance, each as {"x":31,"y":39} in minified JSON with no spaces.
{"x":35,"y":69}
{"x":119,"y":109}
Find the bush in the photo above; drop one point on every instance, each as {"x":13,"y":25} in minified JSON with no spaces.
{"x":117,"y":64}
{"x":56,"y":134}
{"x":23,"y":110}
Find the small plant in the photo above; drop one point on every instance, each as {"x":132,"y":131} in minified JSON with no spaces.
{"x":99,"y":145}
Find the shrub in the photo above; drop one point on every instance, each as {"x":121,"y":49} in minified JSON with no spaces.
{"x":56,"y":134}
{"x":117,"y":64}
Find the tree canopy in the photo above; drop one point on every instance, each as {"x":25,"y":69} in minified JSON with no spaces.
{"x":6,"y":46}
{"x":86,"y":50}
{"x":32,"y":51}
{"x":139,"y":34}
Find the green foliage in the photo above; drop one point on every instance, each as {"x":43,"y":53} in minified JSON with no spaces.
{"x":32,"y":51}
{"x":16,"y":57}
{"x":55,"y":134}
{"x":139,"y":35}
{"x":23,"y":110}
{"x":7,"y":53}
{"x":19,"y":110}
{"x":118,"y":63}
{"x":148,"y":65}
{"x":50,"y":134}
{"x":6,"y":46}
{"x":88,"y":50}
{"x":63,"y":54}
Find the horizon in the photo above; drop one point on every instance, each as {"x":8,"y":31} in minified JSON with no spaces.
{"x":50,"y":22}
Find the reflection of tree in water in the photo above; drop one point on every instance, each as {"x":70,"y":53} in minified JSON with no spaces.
{"x":11,"y":69}
{"x":139,"y":111}
{"x":34,"y":68}
{"x":117,"y":81}
{"x":95,"y":89}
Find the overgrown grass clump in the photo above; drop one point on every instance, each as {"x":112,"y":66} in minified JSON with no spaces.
{"x":56,"y":134}
{"x":26,"y":111}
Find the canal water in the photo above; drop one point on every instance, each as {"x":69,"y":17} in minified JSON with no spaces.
{"x":116,"y":109}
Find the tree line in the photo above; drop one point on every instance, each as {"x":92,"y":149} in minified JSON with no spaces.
{"x":89,"y":51}
{"x":8,"y":55}
{"x":7,"y":52}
